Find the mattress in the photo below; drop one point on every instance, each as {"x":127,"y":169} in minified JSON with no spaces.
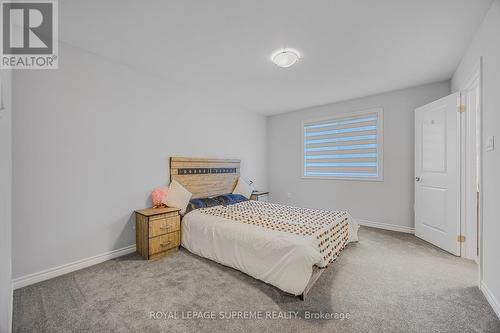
{"x":274,"y":243}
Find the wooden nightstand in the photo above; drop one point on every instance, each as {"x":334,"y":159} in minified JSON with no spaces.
{"x":260,"y":196}
{"x":158,"y":231}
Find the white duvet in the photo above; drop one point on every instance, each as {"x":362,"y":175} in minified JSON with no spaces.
{"x":281,"y":259}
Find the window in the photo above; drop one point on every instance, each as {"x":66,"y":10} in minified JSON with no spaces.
{"x":347,"y":146}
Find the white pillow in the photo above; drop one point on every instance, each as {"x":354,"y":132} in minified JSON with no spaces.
{"x":177,"y":196}
{"x":243,"y":188}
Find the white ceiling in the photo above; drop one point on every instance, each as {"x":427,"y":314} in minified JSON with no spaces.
{"x":221,"y":49}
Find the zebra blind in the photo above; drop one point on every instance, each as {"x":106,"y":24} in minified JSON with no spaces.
{"x":346,"y":146}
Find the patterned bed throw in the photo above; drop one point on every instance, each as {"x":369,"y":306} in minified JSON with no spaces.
{"x":329,"y":228}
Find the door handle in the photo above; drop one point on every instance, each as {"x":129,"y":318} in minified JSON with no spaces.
{"x":417,"y":179}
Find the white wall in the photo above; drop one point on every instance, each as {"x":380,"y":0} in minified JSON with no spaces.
{"x":390,"y":201}
{"x":5,"y":205}
{"x":486,"y":44}
{"x":92,"y":139}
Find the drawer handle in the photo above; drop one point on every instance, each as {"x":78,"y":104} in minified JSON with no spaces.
{"x":166,"y":227}
{"x":165,"y":244}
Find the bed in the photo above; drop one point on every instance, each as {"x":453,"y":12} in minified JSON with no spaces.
{"x":287,"y":247}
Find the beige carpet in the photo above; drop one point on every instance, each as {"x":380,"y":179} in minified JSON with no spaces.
{"x":388,"y":282}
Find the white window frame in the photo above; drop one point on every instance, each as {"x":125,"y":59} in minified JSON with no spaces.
{"x":380,"y":145}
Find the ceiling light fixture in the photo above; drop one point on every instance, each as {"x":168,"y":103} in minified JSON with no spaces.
{"x":285,"y":57}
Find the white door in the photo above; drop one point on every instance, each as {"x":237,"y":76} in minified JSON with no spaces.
{"x":437,"y":173}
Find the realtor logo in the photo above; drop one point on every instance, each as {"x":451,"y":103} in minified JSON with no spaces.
{"x":29,"y":34}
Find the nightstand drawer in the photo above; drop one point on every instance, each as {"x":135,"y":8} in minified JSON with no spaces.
{"x":260,"y":196}
{"x":163,"y":224}
{"x":263,"y":198}
{"x":164,"y":242}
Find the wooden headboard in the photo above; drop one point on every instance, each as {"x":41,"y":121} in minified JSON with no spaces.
{"x":205,"y":177}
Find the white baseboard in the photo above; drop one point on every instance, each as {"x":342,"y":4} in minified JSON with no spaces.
{"x":386,"y":226}
{"x":50,"y":273}
{"x":495,"y":304}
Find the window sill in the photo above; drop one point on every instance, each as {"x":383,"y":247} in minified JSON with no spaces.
{"x":378,"y":179}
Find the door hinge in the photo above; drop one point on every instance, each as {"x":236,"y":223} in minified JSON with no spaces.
{"x":460,"y":238}
{"x":461,"y":108}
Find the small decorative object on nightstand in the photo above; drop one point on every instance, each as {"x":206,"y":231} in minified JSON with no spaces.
{"x":260,"y":196}
{"x":158,"y":231}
